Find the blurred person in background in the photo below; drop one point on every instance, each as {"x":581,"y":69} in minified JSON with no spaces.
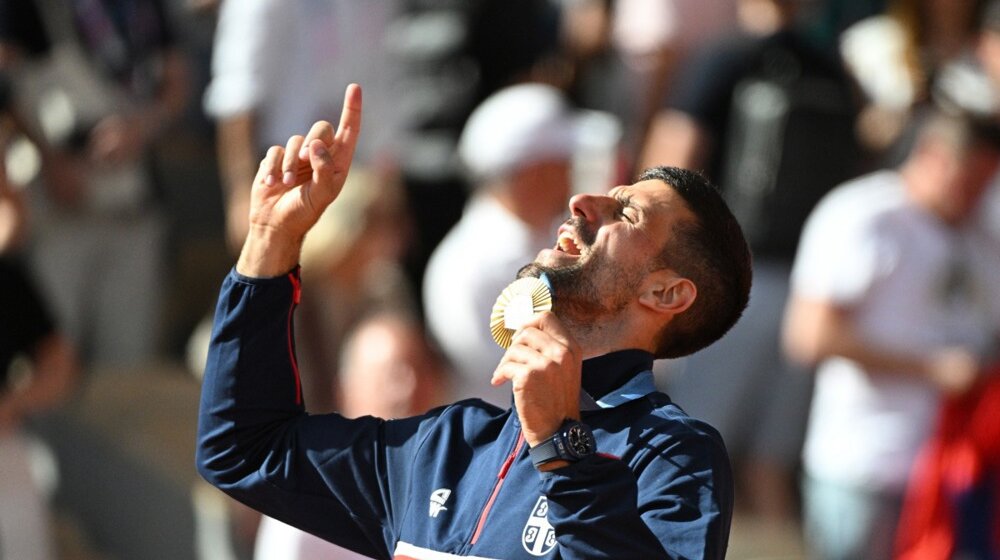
{"x":96,"y":82}
{"x":616,"y":60}
{"x":388,"y":369}
{"x":895,"y":59}
{"x":949,"y":509}
{"x":517,"y":147}
{"x":38,"y":369}
{"x":596,"y":79}
{"x":895,"y":301}
{"x":653,"y":38}
{"x":770,"y":117}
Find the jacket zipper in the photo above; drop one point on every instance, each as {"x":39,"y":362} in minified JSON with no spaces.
{"x":496,"y":488}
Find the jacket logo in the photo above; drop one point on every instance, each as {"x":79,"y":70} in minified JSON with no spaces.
{"x":438,"y":498}
{"x":538,"y":537}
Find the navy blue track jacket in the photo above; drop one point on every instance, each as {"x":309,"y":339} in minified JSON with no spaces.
{"x":457,"y":481}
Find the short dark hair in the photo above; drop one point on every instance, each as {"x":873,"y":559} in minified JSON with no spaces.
{"x":712,"y":252}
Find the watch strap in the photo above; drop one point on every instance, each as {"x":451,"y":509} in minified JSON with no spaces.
{"x":546,"y":451}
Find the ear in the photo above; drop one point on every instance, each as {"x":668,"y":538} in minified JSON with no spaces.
{"x":666,"y":292}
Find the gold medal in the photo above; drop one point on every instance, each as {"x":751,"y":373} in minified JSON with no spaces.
{"x":516,"y":305}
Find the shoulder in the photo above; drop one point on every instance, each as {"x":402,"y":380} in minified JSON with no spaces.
{"x":863,"y":198}
{"x":850,"y":237}
{"x":664,"y":430}
{"x":672,"y":420}
{"x":671,"y":452}
{"x":851,"y":213}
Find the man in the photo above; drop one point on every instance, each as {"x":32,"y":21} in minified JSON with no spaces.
{"x":655,"y":269}
{"x":895,"y":300}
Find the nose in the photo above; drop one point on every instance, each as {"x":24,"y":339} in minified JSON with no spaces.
{"x":593,"y":207}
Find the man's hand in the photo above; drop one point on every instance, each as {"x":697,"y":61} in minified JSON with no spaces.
{"x":543,"y":365}
{"x":954,"y":370}
{"x":293,"y":187}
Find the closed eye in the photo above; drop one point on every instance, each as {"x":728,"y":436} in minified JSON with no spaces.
{"x":626,"y":210}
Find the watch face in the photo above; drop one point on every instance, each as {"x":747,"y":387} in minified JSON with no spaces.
{"x":579,"y":440}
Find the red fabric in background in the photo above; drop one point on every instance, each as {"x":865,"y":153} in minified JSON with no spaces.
{"x":962,"y":453}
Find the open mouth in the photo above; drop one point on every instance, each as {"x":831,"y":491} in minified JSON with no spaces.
{"x":567,"y":244}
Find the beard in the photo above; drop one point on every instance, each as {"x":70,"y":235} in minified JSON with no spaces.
{"x":591,"y":288}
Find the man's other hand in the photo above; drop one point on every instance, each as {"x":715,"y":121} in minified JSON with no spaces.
{"x":294,"y":185}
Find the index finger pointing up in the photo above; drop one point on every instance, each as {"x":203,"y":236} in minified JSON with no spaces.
{"x":350,"y":116}
{"x":348,"y":128}
{"x":340,"y":144}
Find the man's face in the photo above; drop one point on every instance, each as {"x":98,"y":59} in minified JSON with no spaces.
{"x":607,"y":247}
{"x":387,"y":371}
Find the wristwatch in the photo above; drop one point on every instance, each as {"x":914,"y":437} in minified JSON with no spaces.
{"x":572,"y":442}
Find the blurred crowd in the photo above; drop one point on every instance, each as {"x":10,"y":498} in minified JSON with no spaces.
{"x":857,"y":141}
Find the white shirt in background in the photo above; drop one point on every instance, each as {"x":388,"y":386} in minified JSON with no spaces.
{"x":868,"y":248}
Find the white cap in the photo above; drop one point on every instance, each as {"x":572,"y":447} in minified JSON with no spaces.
{"x":517,"y":126}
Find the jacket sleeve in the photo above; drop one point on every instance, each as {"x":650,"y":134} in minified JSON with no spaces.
{"x":674,"y":502}
{"x":325,"y":474}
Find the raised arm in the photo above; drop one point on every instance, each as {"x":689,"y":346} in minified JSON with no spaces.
{"x":255,"y":441}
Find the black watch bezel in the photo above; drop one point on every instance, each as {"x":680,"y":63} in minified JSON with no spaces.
{"x":579,"y":440}
{"x":572,"y":442}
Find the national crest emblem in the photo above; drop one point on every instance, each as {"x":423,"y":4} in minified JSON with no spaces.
{"x":538,"y":536}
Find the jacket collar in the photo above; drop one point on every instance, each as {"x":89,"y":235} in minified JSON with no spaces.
{"x":616,"y":378}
